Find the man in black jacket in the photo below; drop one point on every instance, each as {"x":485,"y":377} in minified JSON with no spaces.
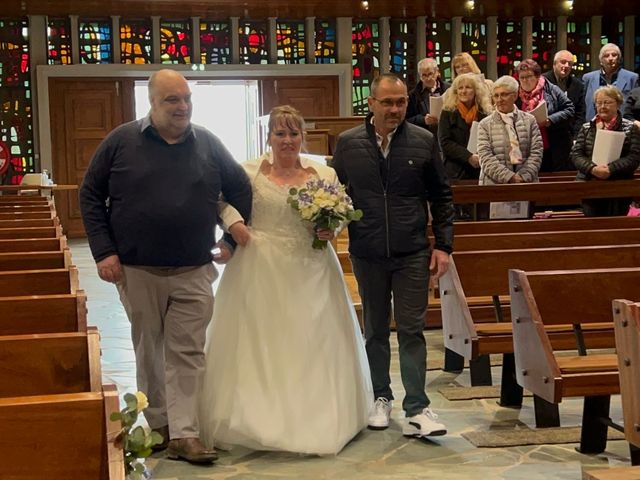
{"x":392,"y":172}
{"x":562,"y":76}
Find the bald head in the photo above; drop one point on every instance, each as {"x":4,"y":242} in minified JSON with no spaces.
{"x":170,"y":99}
{"x":562,"y":64}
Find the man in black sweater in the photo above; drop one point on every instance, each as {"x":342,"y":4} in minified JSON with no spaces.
{"x":149,"y":206}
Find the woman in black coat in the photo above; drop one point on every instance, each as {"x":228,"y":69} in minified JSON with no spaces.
{"x":608,"y":100}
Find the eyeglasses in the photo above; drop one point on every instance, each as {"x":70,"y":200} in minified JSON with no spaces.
{"x":390,"y":102}
{"x":503,"y":95}
{"x":605,"y":103}
{"x":526,"y":77}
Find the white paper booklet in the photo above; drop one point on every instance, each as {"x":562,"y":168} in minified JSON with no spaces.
{"x":472,"y":146}
{"x":508,"y":210}
{"x":607,"y":147}
{"x":540,"y":112}
{"x":435,"y":106}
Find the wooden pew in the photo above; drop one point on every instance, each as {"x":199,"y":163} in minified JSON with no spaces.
{"x":626,"y":319}
{"x":9,"y":199}
{"x":51,"y":396}
{"x":22,"y":208}
{"x":31,"y":232}
{"x":545,"y":225}
{"x":39,"y":282}
{"x":43,"y":313}
{"x":27,"y":215}
{"x":33,"y":244}
{"x":485,"y":274}
{"x":35,"y":260}
{"x":576,"y":299}
{"x":30,"y":222}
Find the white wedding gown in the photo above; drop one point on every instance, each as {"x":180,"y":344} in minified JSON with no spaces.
{"x":286,"y":367}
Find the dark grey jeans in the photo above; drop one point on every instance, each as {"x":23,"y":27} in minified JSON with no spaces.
{"x":406,"y":281}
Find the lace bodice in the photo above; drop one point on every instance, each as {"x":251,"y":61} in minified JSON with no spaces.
{"x":274,"y":217}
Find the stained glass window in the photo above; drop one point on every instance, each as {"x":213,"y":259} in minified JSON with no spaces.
{"x":59,"y":41}
{"x":365,"y":35}
{"x":253,"y":42}
{"x":509,"y":46}
{"x":95,"y":41}
{"x":135,"y":41}
{"x":290,"y":42}
{"x":612,"y":32}
{"x":579,"y":43}
{"x":15,"y":97}
{"x":215,"y":42}
{"x":175,"y":41}
{"x":402,"y":49}
{"x":544,"y":42}
{"x":325,"y":33}
{"x":474,"y":42}
{"x":438,"y":38}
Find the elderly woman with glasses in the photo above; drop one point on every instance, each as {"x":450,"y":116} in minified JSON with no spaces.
{"x":608,"y":100}
{"x":556,"y":130}
{"x":509,"y":141}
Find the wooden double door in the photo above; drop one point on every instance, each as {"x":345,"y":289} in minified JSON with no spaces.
{"x":84,"y":111}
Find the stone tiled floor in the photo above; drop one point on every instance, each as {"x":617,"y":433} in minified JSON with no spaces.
{"x":371,"y":455}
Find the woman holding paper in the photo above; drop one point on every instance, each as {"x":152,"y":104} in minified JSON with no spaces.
{"x":554,"y":113}
{"x":464,"y":103}
{"x":594,"y":166}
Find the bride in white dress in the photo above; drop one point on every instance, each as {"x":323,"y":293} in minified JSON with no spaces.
{"x":286,"y":367}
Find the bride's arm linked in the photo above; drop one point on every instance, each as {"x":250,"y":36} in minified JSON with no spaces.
{"x":232,"y":222}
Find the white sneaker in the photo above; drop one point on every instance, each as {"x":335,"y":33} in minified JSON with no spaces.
{"x":423,"y":425}
{"x":379,"y":416}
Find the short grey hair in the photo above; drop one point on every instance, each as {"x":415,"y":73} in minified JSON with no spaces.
{"x":508,"y":83}
{"x":426,"y":63}
{"x":610,"y":91}
{"x":560,"y":52}
{"x":609,"y":46}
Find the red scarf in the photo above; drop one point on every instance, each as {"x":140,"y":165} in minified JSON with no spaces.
{"x":600,"y":123}
{"x":530,"y":100}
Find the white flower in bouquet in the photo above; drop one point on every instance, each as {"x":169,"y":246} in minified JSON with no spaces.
{"x":323,"y":204}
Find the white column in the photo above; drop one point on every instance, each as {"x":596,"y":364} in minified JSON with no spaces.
{"x":38,"y":48}
{"x":195,"y":40}
{"x":421,"y":44}
{"x":527,"y":35}
{"x":155,"y":39}
{"x":561,"y":33}
{"x":235,"y":39}
{"x":456,"y":35}
{"x":272,"y":40}
{"x":75,"y":39}
{"x":310,"y":39}
{"x":115,"y":39}
{"x":629,"y":42}
{"x":344,"y":43}
{"x":596,"y":34}
{"x":385,"y":40}
{"x":492,"y":48}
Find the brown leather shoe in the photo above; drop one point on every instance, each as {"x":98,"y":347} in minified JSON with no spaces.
{"x":164,"y":432}
{"x":191,"y":450}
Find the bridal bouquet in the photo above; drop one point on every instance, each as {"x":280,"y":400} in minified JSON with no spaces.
{"x":323,"y":204}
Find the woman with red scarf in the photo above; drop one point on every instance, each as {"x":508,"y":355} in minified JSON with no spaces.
{"x":556,"y":130}
{"x":608,"y":100}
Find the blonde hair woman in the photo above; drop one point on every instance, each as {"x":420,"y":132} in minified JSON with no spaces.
{"x":463,"y":63}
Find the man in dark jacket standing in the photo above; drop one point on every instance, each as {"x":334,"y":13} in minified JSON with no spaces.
{"x":563,"y":77}
{"x":149,"y":206}
{"x":430,"y":85}
{"x":392,"y":172}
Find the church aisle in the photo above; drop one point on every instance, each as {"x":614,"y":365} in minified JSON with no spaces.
{"x":371,"y":455}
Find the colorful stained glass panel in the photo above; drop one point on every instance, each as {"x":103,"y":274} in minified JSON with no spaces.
{"x":579,"y":43}
{"x":95,"y":41}
{"x":509,"y":46}
{"x":175,"y":41}
{"x":290,"y":42}
{"x":325,"y":40}
{"x":544,"y":42}
{"x":365,"y":37}
{"x":215,"y":42}
{"x":438,"y":39}
{"x":59,"y":41}
{"x":135,"y":41}
{"x":402,"y":49}
{"x":474,"y":42}
{"x":253,"y":43}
